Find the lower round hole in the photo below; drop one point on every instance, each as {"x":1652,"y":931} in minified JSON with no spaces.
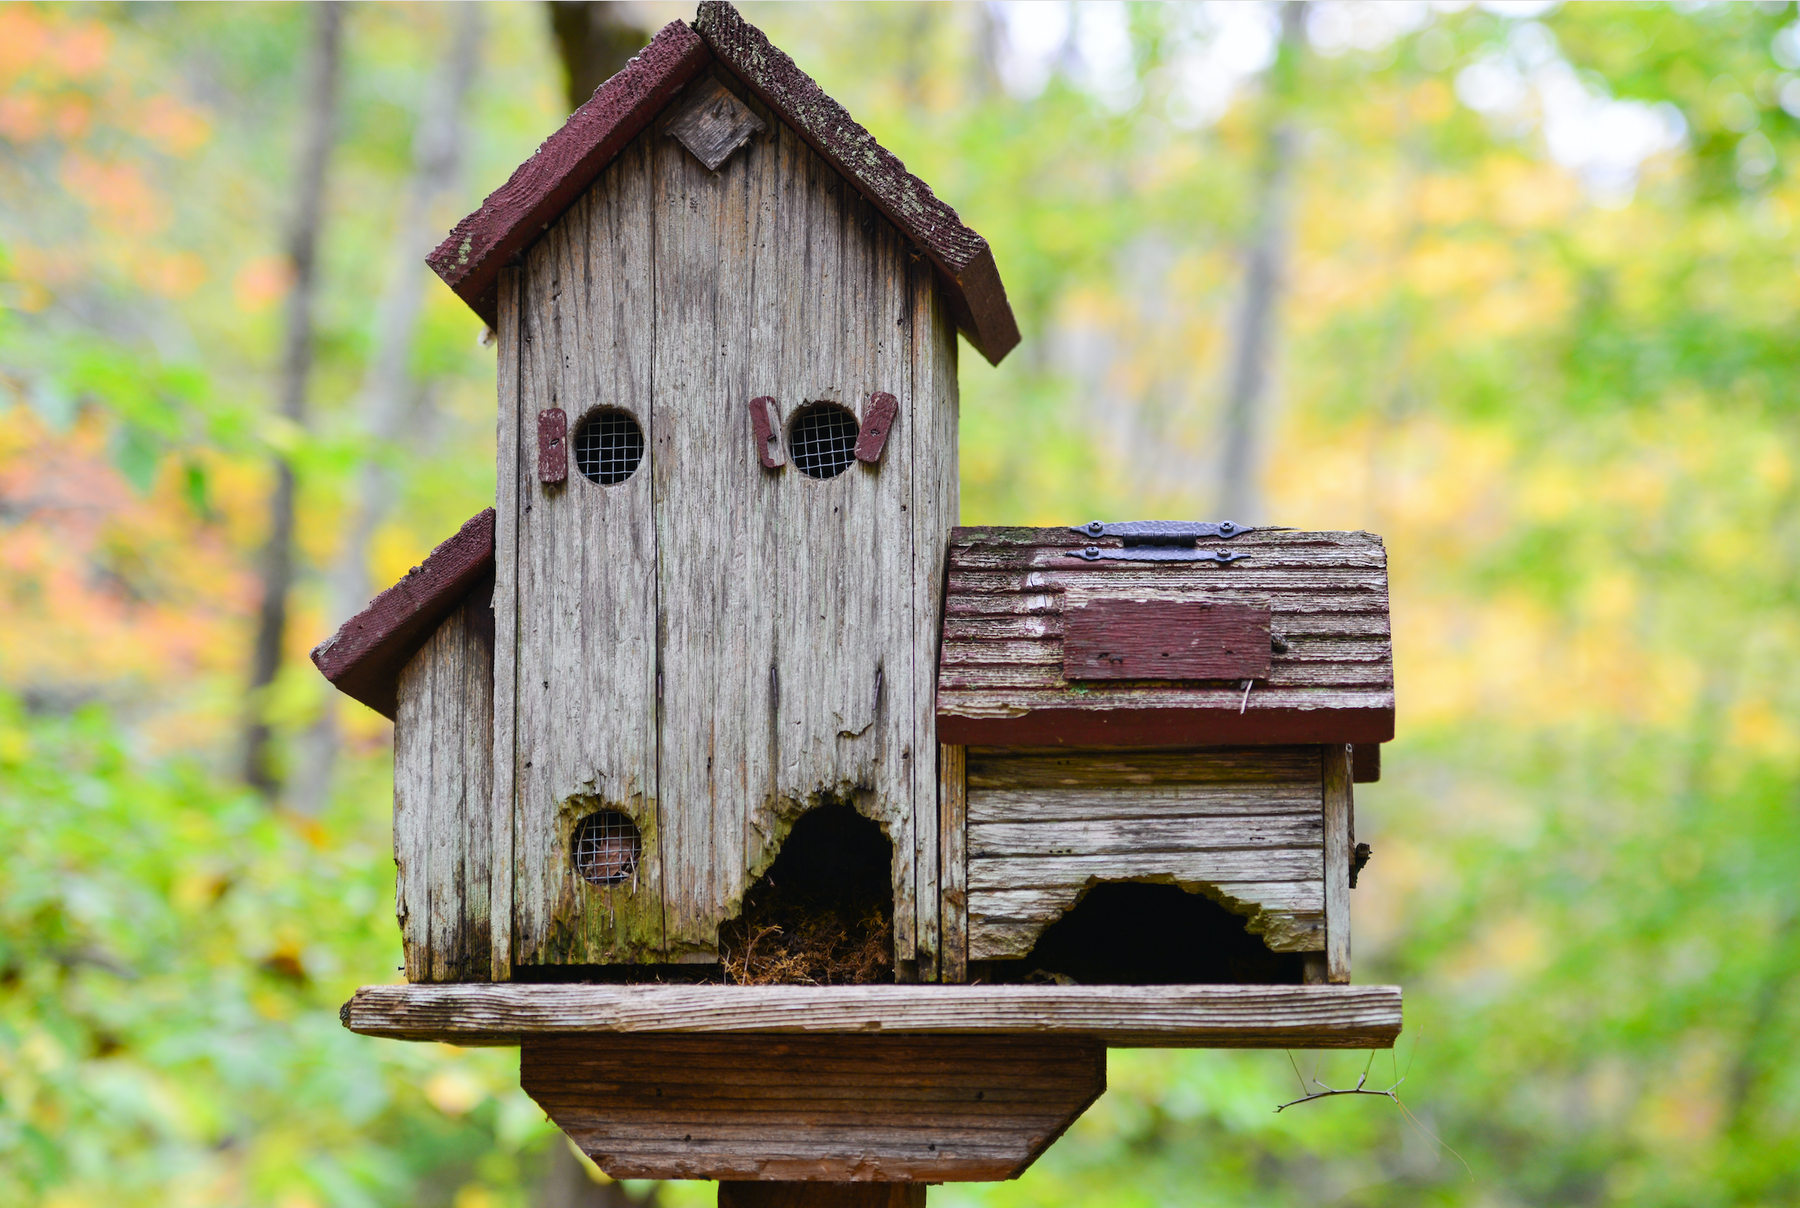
{"x":822,"y":440}
{"x":607,"y":848}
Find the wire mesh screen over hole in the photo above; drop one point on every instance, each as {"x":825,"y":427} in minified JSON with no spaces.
{"x":822,"y":440}
{"x":608,"y":447}
{"x":607,"y":848}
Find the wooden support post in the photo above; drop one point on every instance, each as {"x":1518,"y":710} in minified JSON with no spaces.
{"x":1337,"y":862}
{"x":953,"y":864}
{"x":821,"y":1195}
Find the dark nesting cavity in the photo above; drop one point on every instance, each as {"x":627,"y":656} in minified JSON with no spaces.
{"x":824,"y":912}
{"x":609,"y":446}
{"x":1131,"y":934}
{"x":822,"y":440}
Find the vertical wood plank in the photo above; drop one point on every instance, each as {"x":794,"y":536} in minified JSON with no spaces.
{"x":587,"y":584}
{"x":443,"y":801}
{"x":1337,"y":774}
{"x":927,"y":426}
{"x":506,"y":631}
{"x":786,"y":610}
{"x":953,"y":874}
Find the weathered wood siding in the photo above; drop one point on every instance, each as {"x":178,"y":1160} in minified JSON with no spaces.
{"x":1244,"y":826}
{"x":443,"y":786}
{"x":712,"y":647}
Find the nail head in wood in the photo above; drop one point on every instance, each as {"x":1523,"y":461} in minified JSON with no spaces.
{"x":712,"y":123}
{"x":877,"y":422}
{"x":553,"y":446}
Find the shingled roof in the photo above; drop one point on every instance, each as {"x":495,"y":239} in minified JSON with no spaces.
{"x":520,"y":211}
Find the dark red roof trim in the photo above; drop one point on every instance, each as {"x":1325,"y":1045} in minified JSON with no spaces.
{"x":516,"y":213}
{"x":977,"y":298}
{"x":363,"y":658}
{"x":1166,"y":727}
{"x":513,"y":218}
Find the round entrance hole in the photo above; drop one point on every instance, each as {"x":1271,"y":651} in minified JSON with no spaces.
{"x":822,"y":440}
{"x":609,"y":445}
{"x":607,"y":848}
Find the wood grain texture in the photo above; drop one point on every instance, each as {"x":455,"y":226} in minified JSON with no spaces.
{"x":443,"y":798}
{"x":553,"y":446}
{"x":1010,"y":593}
{"x":364,"y":657}
{"x":587,"y":587}
{"x":734,"y":1194}
{"x":966,"y":263}
{"x":712,"y":123}
{"x":516,"y":214}
{"x":1160,"y":640}
{"x":507,"y":505}
{"x":1122,"y":1016}
{"x":1244,"y":826}
{"x":953,"y":876}
{"x":787,"y":610}
{"x":832,"y":1108}
{"x":877,"y":421}
{"x":1338,"y":840}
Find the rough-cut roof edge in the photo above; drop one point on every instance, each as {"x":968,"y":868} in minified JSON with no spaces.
{"x":516,"y":213}
{"x":977,"y":297}
{"x":364,"y":657}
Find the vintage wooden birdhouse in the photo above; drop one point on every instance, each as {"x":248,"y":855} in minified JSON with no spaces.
{"x":719,"y":641}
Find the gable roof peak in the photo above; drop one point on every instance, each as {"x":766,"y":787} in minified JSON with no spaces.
{"x":515,"y":215}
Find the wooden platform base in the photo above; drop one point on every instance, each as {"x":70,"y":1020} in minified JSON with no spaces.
{"x":833,"y":1109}
{"x":1277,"y":1017}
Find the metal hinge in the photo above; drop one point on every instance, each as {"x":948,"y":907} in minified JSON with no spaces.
{"x":1163,"y":540}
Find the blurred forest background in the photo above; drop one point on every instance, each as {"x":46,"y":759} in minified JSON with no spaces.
{"x":1513,"y":285}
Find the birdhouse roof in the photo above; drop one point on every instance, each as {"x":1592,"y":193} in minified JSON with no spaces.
{"x":517,"y":214}
{"x":1053,"y":636}
{"x":363,"y":659}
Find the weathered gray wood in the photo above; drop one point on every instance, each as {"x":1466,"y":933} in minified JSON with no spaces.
{"x":786,"y":604}
{"x":506,"y":629}
{"x":1337,"y":777}
{"x":953,"y":914}
{"x":1121,"y":1016}
{"x":443,"y":802}
{"x":712,"y":123}
{"x":813,"y":1107}
{"x":1242,"y":825}
{"x":587,"y":583}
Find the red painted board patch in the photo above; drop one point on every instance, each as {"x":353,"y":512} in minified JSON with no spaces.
{"x":877,"y":422}
{"x":1166,"y":640}
{"x":553,"y":446}
{"x":765,"y":423}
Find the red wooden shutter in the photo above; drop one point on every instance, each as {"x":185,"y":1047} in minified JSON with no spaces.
{"x":553,"y":446}
{"x":877,"y":422}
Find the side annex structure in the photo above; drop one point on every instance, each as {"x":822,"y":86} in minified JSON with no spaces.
{"x":799,"y":837}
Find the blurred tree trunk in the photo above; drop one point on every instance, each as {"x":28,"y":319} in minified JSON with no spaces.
{"x":567,"y":1184}
{"x":320,"y":97}
{"x":1246,"y":401}
{"x":594,"y":39}
{"x":390,"y":398}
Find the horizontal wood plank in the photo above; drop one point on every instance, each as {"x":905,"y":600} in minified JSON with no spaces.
{"x":1132,"y":837}
{"x":1120,"y":1016}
